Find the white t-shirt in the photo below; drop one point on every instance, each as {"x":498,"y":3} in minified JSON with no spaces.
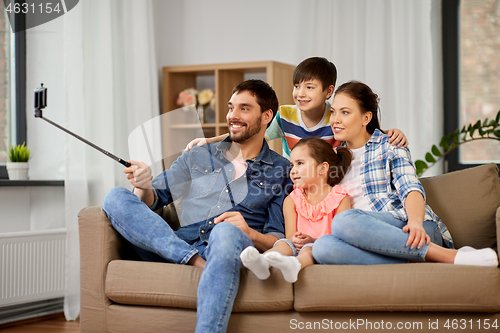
{"x":240,"y":166}
{"x":352,"y":181}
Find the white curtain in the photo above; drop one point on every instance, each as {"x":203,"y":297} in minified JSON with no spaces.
{"x":393,"y":46}
{"x":111,"y":87}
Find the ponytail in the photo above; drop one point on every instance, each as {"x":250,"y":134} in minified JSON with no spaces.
{"x":322,"y":152}
{"x":341,"y":166}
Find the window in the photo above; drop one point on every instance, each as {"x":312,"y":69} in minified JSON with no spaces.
{"x":4,"y":79}
{"x":471,"y":75}
{"x":12,"y":86}
{"x":479,"y":73}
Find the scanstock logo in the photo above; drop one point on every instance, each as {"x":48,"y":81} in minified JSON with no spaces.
{"x":25,"y":14}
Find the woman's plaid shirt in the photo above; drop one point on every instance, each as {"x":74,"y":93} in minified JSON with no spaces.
{"x":388,"y":176}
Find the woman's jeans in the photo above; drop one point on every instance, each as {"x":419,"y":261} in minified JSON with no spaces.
{"x":155,"y":240}
{"x":370,"y":238}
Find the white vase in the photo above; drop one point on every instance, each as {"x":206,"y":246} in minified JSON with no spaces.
{"x":17,"y":170}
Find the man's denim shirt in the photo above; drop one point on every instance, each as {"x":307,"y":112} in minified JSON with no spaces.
{"x":203,"y":178}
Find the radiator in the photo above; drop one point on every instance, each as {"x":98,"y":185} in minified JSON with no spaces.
{"x":32,"y":266}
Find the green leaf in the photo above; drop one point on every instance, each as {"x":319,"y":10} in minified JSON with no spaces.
{"x":471,"y":130}
{"x":444,"y":144}
{"x":19,"y":153}
{"x":420,"y":166}
{"x":455,"y":137}
{"x":472,"y":133}
{"x":435,"y":150}
{"x":487,"y":129}
{"x":429,"y":158}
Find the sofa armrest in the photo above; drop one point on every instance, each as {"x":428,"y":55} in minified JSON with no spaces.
{"x":497,"y":221}
{"x":99,"y":244}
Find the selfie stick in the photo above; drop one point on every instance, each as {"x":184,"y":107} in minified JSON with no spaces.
{"x":41,"y":102}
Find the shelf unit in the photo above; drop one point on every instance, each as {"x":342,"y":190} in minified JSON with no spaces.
{"x":30,"y":183}
{"x":222,"y":78}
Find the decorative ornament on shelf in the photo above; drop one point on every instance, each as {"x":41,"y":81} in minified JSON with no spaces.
{"x":17,"y":168}
{"x":203,"y":100}
{"x":486,"y":129}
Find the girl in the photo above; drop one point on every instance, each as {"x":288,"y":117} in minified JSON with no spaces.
{"x":308,"y":210}
{"x":390,"y":222}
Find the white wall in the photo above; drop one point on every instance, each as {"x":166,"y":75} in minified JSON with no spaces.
{"x":201,"y":32}
{"x":31,"y":208}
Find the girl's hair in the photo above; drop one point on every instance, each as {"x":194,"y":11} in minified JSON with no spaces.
{"x":366,"y":99}
{"x":321,"y":151}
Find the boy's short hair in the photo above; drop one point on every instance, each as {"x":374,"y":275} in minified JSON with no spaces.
{"x":316,"y":68}
{"x":263,"y":92}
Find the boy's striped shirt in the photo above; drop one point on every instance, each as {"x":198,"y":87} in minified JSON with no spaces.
{"x":288,"y":126}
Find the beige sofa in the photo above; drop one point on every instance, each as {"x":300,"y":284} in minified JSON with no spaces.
{"x":121,"y":294}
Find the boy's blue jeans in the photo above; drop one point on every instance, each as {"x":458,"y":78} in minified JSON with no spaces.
{"x":370,"y":238}
{"x":155,"y":239}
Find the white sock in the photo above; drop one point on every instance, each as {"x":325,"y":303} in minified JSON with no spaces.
{"x":289,"y":266}
{"x":254,"y":261}
{"x":469,"y":256}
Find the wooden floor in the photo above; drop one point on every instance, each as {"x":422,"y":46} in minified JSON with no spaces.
{"x":54,"y":324}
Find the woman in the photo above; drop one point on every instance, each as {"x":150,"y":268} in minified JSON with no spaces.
{"x":390,"y":222}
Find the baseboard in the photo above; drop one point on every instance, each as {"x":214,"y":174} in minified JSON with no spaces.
{"x":27,"y":311}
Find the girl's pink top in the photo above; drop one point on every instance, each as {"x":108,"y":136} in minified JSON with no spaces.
{"x":316,"y":220}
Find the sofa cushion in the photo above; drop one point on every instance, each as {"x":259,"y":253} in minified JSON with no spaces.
{"x":403,"y":287}
{"x":172,"y":285}
{"x":466,"y":201}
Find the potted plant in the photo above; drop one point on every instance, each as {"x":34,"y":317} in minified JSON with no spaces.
{"x":17,"y":168}
{"x":481,"y":130}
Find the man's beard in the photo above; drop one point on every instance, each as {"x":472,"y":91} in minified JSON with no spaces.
{"x":249,"y":131}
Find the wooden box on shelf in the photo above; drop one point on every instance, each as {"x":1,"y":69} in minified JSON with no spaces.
{"x":222,"y":78}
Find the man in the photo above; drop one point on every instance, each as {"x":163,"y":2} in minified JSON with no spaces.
{"x":232,"y":194}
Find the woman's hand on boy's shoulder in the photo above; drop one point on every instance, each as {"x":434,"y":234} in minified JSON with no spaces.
{"x":397,"y":137}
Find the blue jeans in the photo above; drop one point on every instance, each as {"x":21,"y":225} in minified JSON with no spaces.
{"x":156,"y":241}
{"x":370,"y":238}
{"x":292,"y":246}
